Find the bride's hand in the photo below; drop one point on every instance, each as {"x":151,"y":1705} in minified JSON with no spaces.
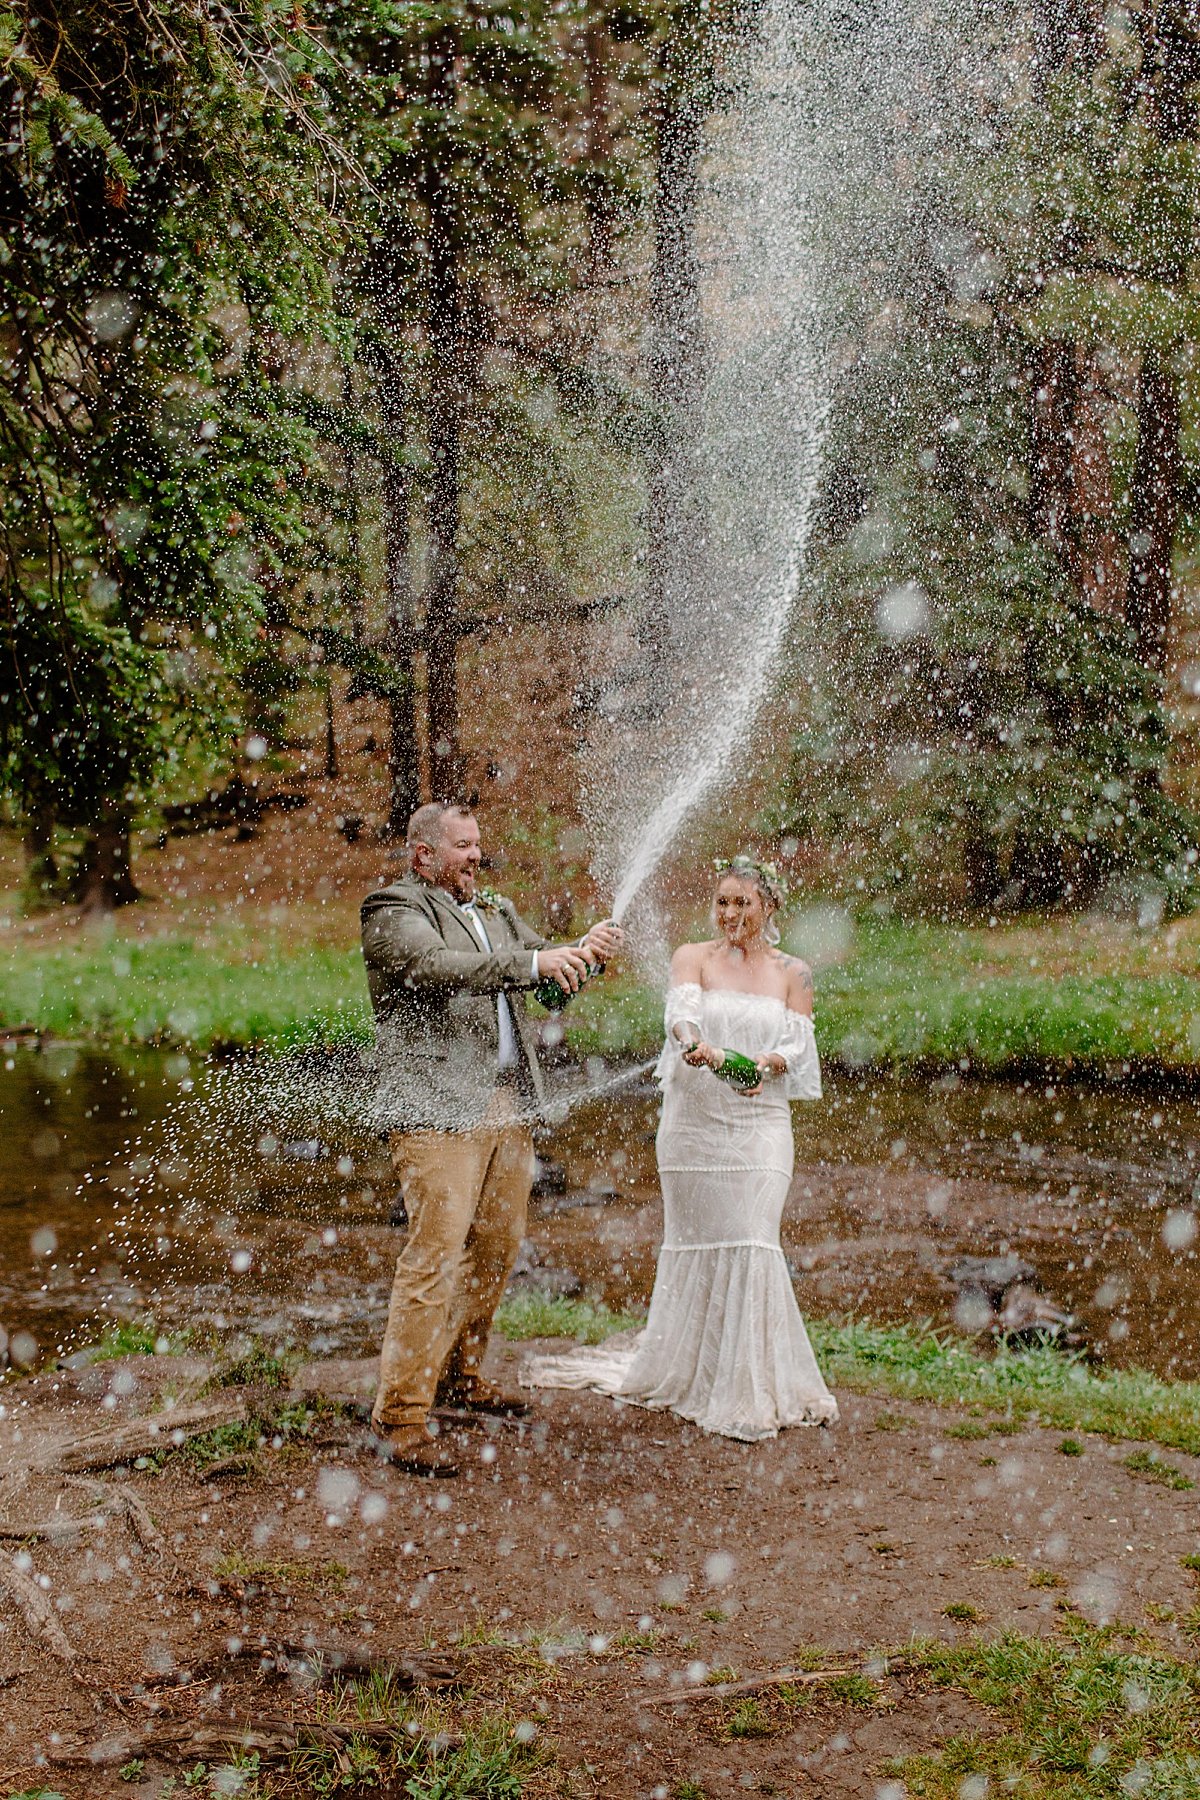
{"x":702,"y":1056}
{"x":771,"y":1066}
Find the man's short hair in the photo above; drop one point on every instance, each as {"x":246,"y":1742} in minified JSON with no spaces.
{"x":425,"y":825}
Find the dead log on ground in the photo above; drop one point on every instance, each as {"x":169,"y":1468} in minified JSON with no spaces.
{"x":280,"y":1660}
{"x":35,"y":1608}
{"x":270,"y":1735}
{"x":146,"y":1436}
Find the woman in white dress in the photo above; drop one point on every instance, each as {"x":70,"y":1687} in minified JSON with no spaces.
{"x":724,"y":1344}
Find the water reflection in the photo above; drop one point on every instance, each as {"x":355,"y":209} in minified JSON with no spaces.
{"x":249,"y":1199}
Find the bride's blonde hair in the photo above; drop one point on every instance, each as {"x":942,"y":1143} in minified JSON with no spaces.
{"x":766,"y":877}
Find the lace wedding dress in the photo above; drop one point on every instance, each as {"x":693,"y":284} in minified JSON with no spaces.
{"x":724,"y":1344}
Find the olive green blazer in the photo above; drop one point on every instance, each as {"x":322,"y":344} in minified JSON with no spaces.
{"x":433,"y":989}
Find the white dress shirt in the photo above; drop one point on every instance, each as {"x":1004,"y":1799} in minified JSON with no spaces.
{"x":509,"y":1054}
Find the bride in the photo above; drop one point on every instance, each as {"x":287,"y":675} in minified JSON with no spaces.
{"x":724,"y":1344}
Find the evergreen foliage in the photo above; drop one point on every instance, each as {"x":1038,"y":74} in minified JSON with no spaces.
{"x":160,"y":225}
{"x":991,"y":729}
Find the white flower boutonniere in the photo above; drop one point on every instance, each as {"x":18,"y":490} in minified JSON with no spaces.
{"x":489,"y":899}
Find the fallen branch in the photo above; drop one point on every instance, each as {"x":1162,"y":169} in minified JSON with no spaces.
{"x":139,"y":1437}
{"x":40,"y":1618}
{"x":280,"y":1659}
{"x":50,"y":1531}
{"x":730,"y":1690}
{"x":270,"y":1735}
{"x":117,"y":1498}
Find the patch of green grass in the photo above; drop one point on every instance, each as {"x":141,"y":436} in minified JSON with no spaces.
{"x":854,"y":1689}
{"x":963,"y":1612}
{"x":1070,"y":1447}
{"x":914,"y":993}
{"x":1000,"y":1562}
{"x":714,"y":1615}
{"x":1088,"y":1715}
{"x":237,"y":988}
{"x":687,"y":1789}
{"x":1039,"y":1386}
{"x":135,"y":1337}
{"x":256,"y":1367}
{"x":420,"y":1754}
{"x":237,"y":1566}
{"x":635,"y":1643}
{"x":1045,"y":1578}
{"x":242,"y":1437}
{"x":1191,"y":1561}
{"x":550,"y":1315}
{"x":1153,"y":1468}
{"x":890,"y":1421}
{"x":908,"y":994}
{"x":749,"y":1719}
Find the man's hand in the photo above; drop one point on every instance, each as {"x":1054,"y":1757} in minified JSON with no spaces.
{"x":604,"y":941}
{"x":564,"y":963}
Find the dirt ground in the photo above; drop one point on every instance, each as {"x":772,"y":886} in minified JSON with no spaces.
{"x":587,"y":1565}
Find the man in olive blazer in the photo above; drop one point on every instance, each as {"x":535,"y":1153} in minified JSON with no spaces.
{"x":459,"y":1080}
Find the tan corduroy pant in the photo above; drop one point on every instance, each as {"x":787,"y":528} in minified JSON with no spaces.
{"x":467,"y":1195}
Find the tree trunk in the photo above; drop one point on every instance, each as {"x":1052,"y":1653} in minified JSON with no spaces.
{"x":446,"y":350}
{"x":1154,"y":509}
{"x":981,"y":870}
{"x":599,"y":143}
{"x":1099,"y":549}
{"x":41,"y":867}
{"x":676,"y":385}
{"x":1053,"y":378}
{"x":1036,"y":872}
{"x":105,"y":879}
{"x":404,"y":767}
{"x":354,"y":583}
{"x":1065,"y":33}
{"x":331,"y":755}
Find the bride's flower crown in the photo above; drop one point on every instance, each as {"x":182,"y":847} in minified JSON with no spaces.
{"x":764,"y":873}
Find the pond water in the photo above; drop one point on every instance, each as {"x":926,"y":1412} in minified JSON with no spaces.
{"x":250,"y":1198}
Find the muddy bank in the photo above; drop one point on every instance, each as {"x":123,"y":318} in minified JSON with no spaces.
{"x":233,"y":1201}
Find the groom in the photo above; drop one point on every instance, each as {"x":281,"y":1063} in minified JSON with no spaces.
{"x":448,"y":968}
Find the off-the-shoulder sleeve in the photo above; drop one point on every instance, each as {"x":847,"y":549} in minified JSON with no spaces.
{"x":798,"y":1047}
{"x":682,"y":1007}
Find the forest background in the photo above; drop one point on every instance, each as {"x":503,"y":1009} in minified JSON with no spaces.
{"x":347,"y":351}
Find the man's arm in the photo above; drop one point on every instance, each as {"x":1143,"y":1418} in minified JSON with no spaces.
{"x":400,"y":940}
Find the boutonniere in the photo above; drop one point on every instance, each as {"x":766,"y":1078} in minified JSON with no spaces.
{"x":489,"y":899}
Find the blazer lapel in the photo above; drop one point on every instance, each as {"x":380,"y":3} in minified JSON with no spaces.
{"x":448,"y":914}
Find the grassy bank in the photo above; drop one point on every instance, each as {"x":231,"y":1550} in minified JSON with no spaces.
{"x":1002,"y":1391}
{"x":227,"y":989}
{"x":1082,"y":997}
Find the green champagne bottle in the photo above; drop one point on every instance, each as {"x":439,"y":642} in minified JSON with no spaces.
{"x":740,"y":1071}
{"x":549,"y":994}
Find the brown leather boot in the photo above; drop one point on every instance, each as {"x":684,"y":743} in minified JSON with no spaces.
{"x":411,"y":1448}
{"x":483,"y":1397}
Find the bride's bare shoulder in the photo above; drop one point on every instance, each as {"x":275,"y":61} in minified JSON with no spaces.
{"x":799,"y":982}
{"x":687,"y":963}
